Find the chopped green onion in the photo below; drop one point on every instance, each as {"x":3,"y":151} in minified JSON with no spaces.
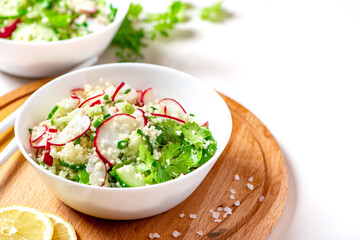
{"x":106,"y":97}
{"x":107,"y":116}
{"x":123,"y":143}
{"x":192,"y":115}
{"x":128,"y":108}
{"x":51,"y":114}
{"x":153,"y":108}
{"x":98,"y":122}
{"x":77,"y":141}
{"x":139,"y":131}
{"x":30,"y":130}
{"x":127,"y":91}
{"x":92,"y":136}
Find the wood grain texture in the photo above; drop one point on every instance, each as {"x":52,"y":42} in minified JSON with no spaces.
{"x":252,"y":152}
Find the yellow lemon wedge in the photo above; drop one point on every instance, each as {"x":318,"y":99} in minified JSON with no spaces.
{"x":20,"y":222}
{"x":62,"y":229}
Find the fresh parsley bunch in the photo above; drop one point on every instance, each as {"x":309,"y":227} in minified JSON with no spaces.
{"x":184,"y":147}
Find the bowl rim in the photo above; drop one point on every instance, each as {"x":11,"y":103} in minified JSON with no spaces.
{"x":117,"y":20}
{"x":212,"y":160}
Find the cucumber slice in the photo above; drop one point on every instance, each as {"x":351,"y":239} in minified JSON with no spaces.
{"x":128,"y":177}
{"x":133,"y":144}
{"x":34,"y":32}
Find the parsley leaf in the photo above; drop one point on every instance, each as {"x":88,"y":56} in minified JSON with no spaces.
{"x":167,"y":20}
{"x":194,"y":134}
{"x":83,"y":177}
{"x":146,"y":160}
{"x":129,"y":40}
{"x":213,"y":13}
{"x":58,"y":20}
{"x":169,"y":129}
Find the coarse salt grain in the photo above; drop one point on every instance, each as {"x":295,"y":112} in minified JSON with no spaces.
{"x":216,"y":214}
{"x":200,"y":233}
{"x":261,"y":198}
{"x":250,"y":186}
{"x":237,"y":203}
{"x":251,"y":179}
{"x":151,"y":236}
{"x":193,"y":216}
{"x":156,"y":235}
{"x":228,"y":210}
{"x":232,"y":197}
{"x":236,"y":177}
{"x":182,"y":215}
{"x":232,"y":191}
{"x":211,"y":210}
{"x":217,"y":220}
{"x":176,"y":233}
{"x":220,"y":209}
{"x":225,"y":215}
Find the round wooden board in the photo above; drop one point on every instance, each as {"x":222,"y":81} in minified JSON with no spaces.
{"x":252,"y":152}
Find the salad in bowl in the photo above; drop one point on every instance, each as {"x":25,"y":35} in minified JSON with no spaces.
{"x":49,"y":20}
{"x":118,"y":136}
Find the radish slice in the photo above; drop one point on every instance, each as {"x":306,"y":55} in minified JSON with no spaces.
{"x":91,"y":99}
{"x":38,"y":133}
{"x":88,"y":9}
{"x":147,"y":96}
{"x":48,"y":159}
{"x":40,"y":143}
{"x":97,"y":102}
{"x":117,"y":90}
{"x":206,"y":124}
{"x":77,"y":99}
{"x":38,"y":152}
{"x":97,"y":171}
{"x":171,"y":106}
{"x":53,"y":130}
{"x":140,"y":116}
{"x":6,"y":32}
{"x":73,"y":130}
{"x":167,"y":116}
{"x":110,"y":132}
{"x":79,"y":92}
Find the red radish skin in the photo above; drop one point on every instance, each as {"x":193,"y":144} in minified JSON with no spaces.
{"x":167,"y":101}
{"x":206,"y":124}
{"x":168,"y":116}
{"x":146,"y":97}
{"x":53,"y":130}
{"x":38,"y":137}
{"x":117,"y":90}
{"x":105,"y":175}
{"x":81,"y":134}
{"x":6,"y":32}
{"x":76,"y":98}
{"x":48,"y":159}
{"x":97,"y":102}
{"x":97,"y":135}
{"x":38,"y":152}
{"x":79,"y":92}
{"x":91,"y":10}
{"x":91,"y":98}
{"x":143,"y":115}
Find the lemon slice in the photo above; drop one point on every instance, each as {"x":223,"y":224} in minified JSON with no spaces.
{"x":20,"y":222}
{"x":62,"y":229}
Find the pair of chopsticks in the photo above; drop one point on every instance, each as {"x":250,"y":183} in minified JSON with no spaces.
{"x":8,"y":122}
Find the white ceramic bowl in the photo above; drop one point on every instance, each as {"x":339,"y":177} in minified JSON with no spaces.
{"x":36,"y":60}
{"x":137,"y":202}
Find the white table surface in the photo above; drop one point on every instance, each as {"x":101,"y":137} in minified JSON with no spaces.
{"x":295,"y":65}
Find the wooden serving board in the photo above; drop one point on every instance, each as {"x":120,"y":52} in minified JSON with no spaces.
{"x":252,"y":152}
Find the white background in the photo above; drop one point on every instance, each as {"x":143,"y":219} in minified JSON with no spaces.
{"x":295,"y":65}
